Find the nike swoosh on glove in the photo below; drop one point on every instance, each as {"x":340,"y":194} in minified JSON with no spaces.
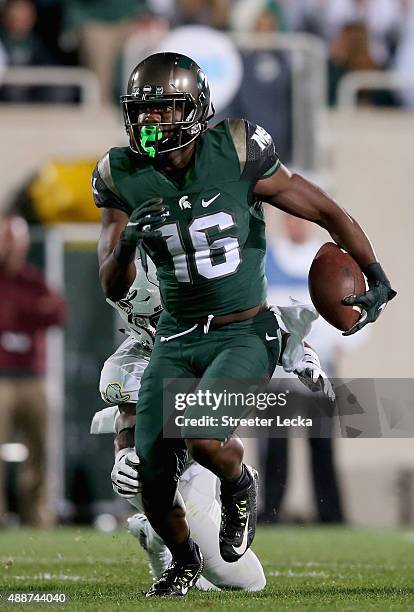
{"x":144,"y":221}
{"x":310,"y":373}
{"x":125,"y":479}
{"x":371,"y":303}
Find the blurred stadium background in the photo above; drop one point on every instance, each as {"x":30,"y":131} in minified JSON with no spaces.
{"x":330,"y":80}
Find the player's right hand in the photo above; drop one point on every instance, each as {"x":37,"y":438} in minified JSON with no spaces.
{"x":125,"y":479}
{"x":144,"y":221}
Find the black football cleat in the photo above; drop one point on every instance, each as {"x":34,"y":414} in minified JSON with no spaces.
{"x":238,"y":519}
{"x":178,"y":578}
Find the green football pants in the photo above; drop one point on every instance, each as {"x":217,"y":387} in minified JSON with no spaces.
{"x":238,"y":352}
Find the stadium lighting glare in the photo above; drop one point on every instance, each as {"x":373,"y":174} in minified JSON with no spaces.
{"x":14,"y":452}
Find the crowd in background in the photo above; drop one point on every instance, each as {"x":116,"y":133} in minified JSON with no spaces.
{"x":359,"y":34}
{"x":28,"y":308}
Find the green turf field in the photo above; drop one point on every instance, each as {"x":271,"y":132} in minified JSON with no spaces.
{"x":307,"y":569}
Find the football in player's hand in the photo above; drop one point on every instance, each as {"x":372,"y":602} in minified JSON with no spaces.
{"x":333,"y":276}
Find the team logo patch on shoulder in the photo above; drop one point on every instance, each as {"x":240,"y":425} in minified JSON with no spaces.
{"x":114,"y":394}
{"x":262,"y":137}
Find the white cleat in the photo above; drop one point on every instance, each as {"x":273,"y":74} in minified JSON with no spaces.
{"x":203,"y":584}
{"x":159,"y":555}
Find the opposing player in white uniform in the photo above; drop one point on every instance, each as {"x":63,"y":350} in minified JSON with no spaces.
{"x":119,"y":386}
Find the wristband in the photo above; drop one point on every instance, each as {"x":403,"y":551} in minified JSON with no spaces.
{"x":124,"y":253}
{"x":374,"y":272}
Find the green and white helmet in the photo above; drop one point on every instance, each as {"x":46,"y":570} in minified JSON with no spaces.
{"x":141,"y":307}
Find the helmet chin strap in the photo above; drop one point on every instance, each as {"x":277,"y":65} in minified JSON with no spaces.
{"x":150,"y":133}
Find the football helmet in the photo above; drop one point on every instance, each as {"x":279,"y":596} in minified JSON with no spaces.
{"x":173,"y":87}
{"x":141,"y":307}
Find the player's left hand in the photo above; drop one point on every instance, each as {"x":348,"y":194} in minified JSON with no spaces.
{"x":310,"y":373}
{"x":125,"y":479}
{"x":371,"y":303}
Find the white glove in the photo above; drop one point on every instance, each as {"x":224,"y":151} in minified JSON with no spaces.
{"x":125,"y":479}
{"x":297,"y":320}
{"x":310,"y":373}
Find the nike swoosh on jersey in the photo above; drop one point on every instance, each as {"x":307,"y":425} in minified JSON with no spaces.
{"x":206,"y":203}
{"x":269,"y":338}
{"x":240,"y":550}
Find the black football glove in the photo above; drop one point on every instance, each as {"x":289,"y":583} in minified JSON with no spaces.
{"x":143,"y":222}
{"x":373,"y":302}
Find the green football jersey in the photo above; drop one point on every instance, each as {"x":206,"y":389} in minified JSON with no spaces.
{"x":210,"y":258}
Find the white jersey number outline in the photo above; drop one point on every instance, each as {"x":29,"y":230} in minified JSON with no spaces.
{"x":228,"y":247}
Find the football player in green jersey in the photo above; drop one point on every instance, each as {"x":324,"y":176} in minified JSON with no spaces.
{"x":191,"y":197}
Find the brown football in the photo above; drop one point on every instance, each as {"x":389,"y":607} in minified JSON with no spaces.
{"x":334,"y":275}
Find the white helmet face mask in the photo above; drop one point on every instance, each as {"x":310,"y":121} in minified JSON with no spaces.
{"x":141,"y":307}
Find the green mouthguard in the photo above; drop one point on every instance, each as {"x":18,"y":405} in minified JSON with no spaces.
{"x":150,"y":133}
